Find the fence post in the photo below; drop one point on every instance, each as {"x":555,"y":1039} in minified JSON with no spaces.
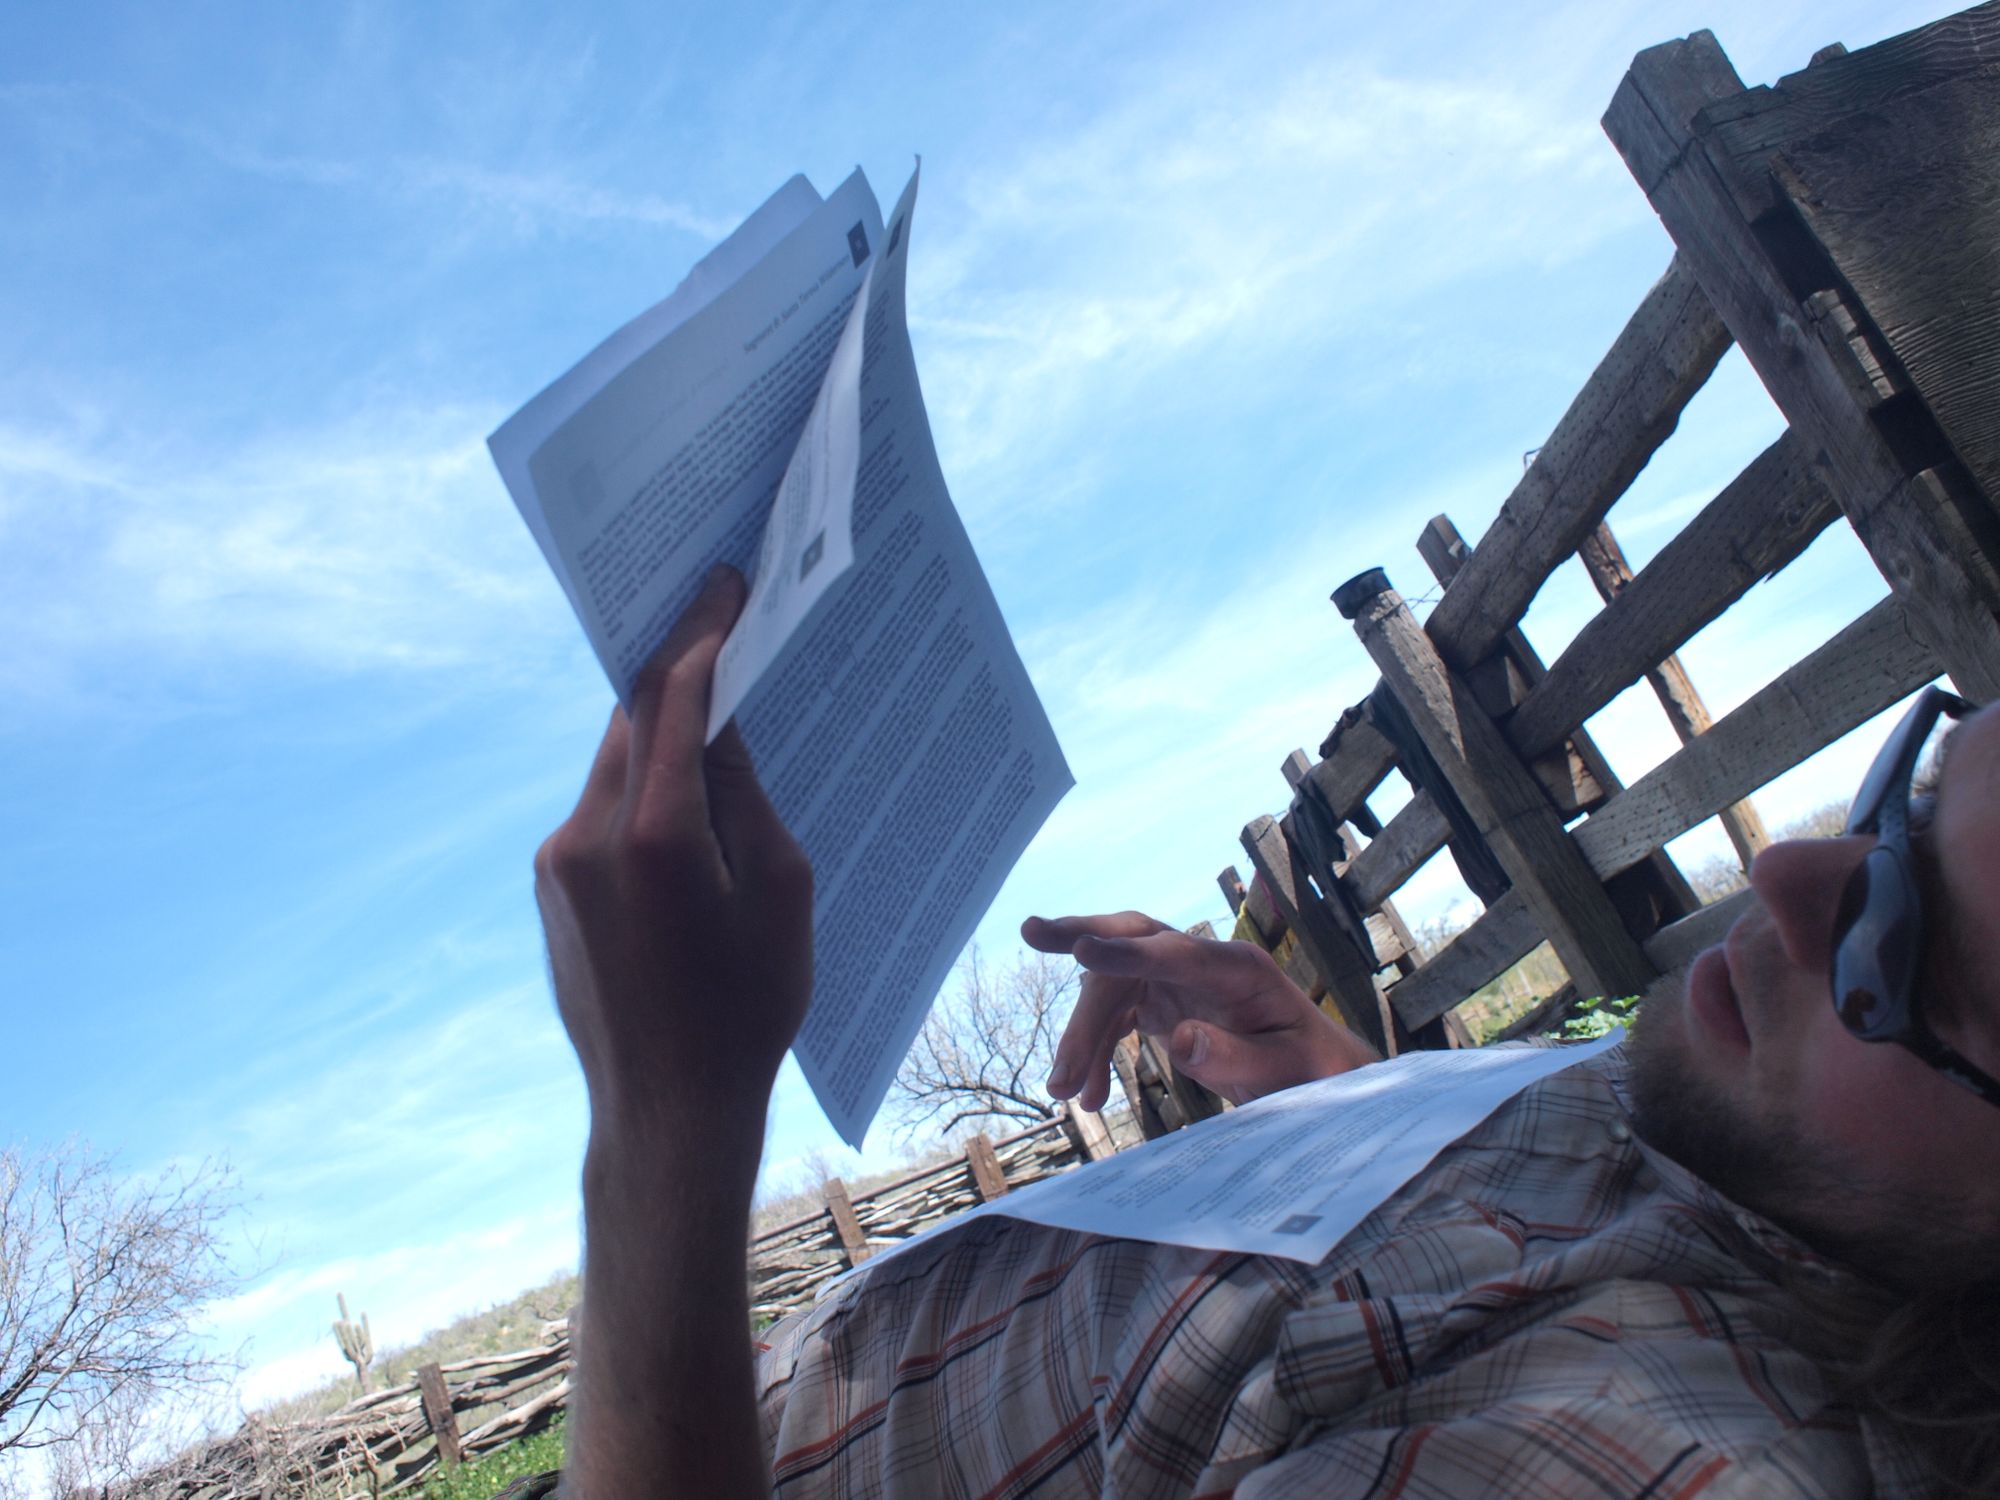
{"x":437,"y":1411}
{"x":1510,"y":808}
{"x":1087,"y":1132}
{"x":840,"y":1208}
{"x":987,"y":1177}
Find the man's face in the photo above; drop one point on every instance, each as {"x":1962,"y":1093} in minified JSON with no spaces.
{"x":1743,"y":1072}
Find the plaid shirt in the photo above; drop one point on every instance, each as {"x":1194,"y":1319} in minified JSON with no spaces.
{"x":1550,"y":1309}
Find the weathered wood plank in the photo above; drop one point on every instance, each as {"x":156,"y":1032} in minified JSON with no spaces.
{"x":1087,"y":1130}
{"x":1506,"y":804}
{"x":1628,"y":407}
{"x":1354,"y":759}
{"x":1869,"y":666}
{"x":1346,"y":972}
{"x":1231,"y":886}
{"x":987,"y":1178}
{"x":1396,"y":853}
{"x":1909,"y":209}
{"x":1762,"y":519}
{"x":1683,"y":706}
{"x":1675,"y":945}
{"x":1501,"y":937}
{"x":1916,"y":537}
{"x":1837,"y":86}
{"x":1576,"y":777}
{"x":437,"y":1411}
{"x":840,"y":1208}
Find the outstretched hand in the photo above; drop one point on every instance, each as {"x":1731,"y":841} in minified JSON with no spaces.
{"x":1229,"y":1017}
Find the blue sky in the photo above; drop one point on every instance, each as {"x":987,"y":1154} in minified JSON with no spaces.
{"x":1214,"y":307}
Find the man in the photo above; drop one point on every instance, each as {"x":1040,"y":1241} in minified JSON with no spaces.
{"x":1556,"y":1306}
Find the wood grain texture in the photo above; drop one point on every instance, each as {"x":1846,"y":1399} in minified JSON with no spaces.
{"x":1416,"y":833}
{"x":1501,"y":937}
{"x":1345,"y":972}
{"x":840,"y":1208}
{"x":1686,"y":712}
{"x":1911,"y":217}
{"x":1761,"y":520}
{"x":987,"y":1178}
{"x":1871,"y":665}
{"x":1506,"y":804}
{"x":437,"y":1411}
{"x":1950,"y":594}
{"x":1576,"y":777}
{"x":1834,"y":89}
{"x":1354,"y":759}
{"x":1627,"y":408}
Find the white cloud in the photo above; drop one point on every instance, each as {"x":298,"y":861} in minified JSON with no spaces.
{"x":383,"y":543}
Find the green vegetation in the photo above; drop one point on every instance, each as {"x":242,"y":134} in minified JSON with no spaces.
{"x":489,"y":1475}
{"x":1599,"y":1017}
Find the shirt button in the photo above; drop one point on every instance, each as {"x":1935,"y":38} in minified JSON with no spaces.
{"x":1619,"y":1131}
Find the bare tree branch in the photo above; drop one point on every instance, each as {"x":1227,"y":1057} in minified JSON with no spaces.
{"x":101,"y":1280}
{"x":987,"y":1046}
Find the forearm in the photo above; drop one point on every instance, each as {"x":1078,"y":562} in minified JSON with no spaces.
{"x":665,"y":1402}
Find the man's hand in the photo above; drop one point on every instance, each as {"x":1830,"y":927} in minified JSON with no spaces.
{"x":678,"y":909}
{"x":679,"y":919}
{"x":1230,"y":1019}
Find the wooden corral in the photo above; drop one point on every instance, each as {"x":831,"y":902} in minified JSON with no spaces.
{"x":1841,"y":227}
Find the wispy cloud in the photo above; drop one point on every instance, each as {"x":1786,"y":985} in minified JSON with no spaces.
{"x":383,"y":543}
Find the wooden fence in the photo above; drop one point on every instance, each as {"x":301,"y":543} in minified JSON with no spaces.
{"x":1837,"y":227}
{"x":393,"y":1439}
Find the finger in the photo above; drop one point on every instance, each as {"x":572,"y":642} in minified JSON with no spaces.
{"x":756,"y":845}
{"x":1104,"y":1014}
{"x":664,"y":788}
{"x":604,"y":787}
{"x":1060,"y":934}
{"x":1164,"y":956}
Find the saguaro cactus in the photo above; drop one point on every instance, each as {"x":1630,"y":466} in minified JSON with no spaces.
{"x":356,"y":1342}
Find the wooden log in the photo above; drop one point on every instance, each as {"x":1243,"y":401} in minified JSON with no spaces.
{"x":1345,"y":971}
{"x":987,"y":1177}
{"x":1504,"y":800}
{"x":438,"y":1413}
{"x":1569,"y":765}
{"x":1911,"y":524}
{"x":1144,"y":1106}
{"x":1389,"y":936}
{"x":1576,"y":776}
{"x":1673,"y":946}
{"x":1088,"y":1130}
{"x":1231,"y":886}
{"x":1760,"y":521}
{"x":1871,"y":665}
{"x":1354,"y":758}
{"x":1838,"y":86}
{"x":840,"y":1208}
{"x":1410,"y":838}
{"x":1628,"y":407}
{"x":1682,"y":704}
{"x":1502,"y":935}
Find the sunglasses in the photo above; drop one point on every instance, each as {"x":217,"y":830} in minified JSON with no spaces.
{"x":1878,"y":933}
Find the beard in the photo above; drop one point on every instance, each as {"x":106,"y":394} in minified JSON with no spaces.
{"x":1759,"y":1158}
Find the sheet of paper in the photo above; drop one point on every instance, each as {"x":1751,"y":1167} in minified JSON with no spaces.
{"x":809,"y":538}
{"x":1293,"y":1173}
{"x":896,"y":729}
